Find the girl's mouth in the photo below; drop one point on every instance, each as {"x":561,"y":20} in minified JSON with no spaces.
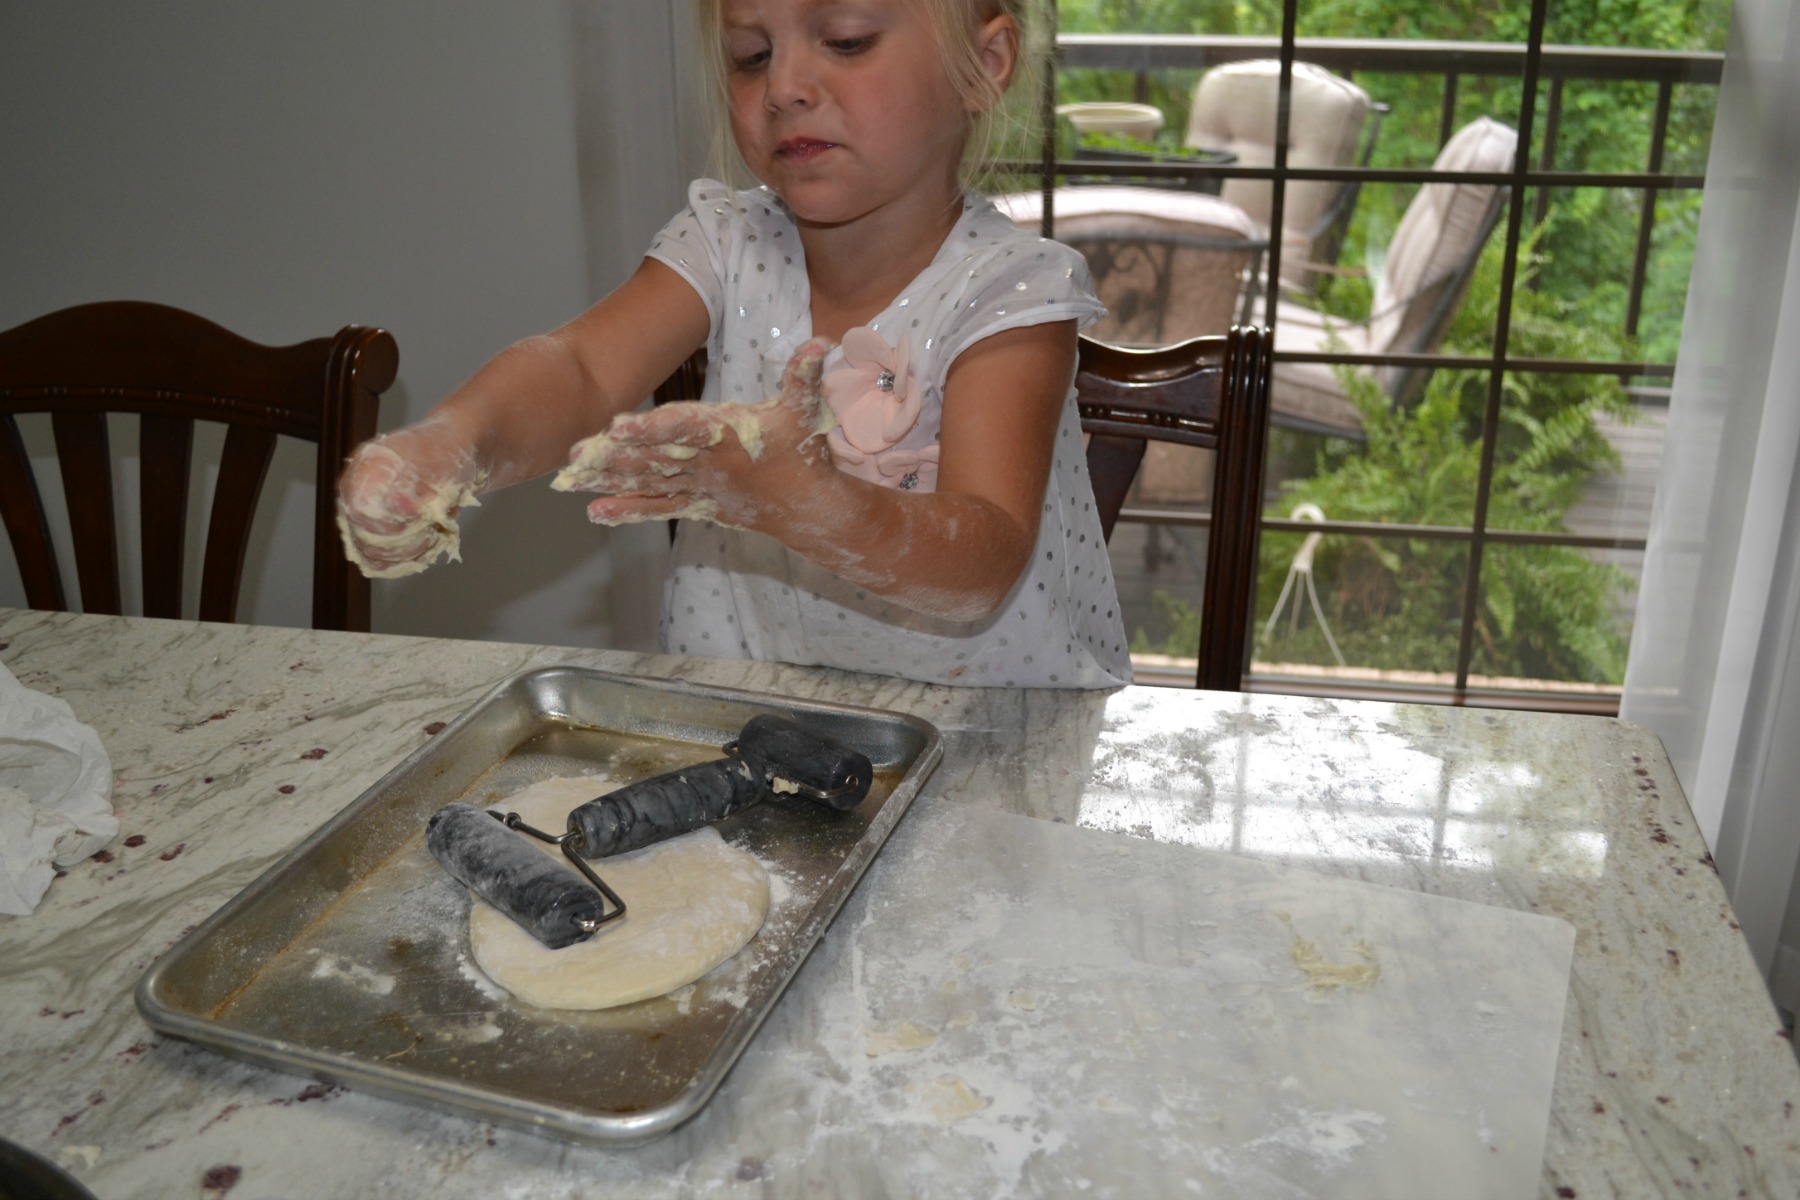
{"x":802,"y":149}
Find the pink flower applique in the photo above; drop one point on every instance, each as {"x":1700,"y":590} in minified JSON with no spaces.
{"x":876,"y":402}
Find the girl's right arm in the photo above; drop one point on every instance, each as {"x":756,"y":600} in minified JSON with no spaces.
{"x":515,"y":419}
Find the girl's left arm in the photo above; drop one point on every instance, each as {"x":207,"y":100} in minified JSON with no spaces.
{"x":954,"y":553}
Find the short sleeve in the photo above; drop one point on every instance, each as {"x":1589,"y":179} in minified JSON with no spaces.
{"x":696,"y":243}
{"x":1013,"y":279}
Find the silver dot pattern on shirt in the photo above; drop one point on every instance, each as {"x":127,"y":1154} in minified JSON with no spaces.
{"x":979,"y":283}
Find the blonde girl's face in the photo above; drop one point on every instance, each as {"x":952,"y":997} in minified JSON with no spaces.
{"x":844,"y":107}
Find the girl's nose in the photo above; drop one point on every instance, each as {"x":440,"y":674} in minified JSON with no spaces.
{"x":789,"y":83}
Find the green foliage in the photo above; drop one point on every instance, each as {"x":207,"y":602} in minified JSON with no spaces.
{"x":1170,"y":91}
{"x":1121,"y":143}
{"x":1545,"y":612}
{"x":1603,"y":125}
{"x":1149,"y":16}
{"x":1181,"y":619}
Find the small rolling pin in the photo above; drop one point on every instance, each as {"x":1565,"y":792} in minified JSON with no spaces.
{"x":546,"y":899}
{"x":770,"y":755}
{"x":555,"y":905}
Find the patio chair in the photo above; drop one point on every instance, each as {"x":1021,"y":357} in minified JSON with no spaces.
{"x":1234,"y":110}
{"x":171,"y":368}
{"x":1168,"y":265}
{"x":1429,"y":262}
{"x":1211,"y":393}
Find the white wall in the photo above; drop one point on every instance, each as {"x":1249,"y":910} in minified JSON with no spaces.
{"x":288,"y":168}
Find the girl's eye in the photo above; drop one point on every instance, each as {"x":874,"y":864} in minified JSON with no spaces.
{"x":749,"y":62}
{"x":851,"y":46}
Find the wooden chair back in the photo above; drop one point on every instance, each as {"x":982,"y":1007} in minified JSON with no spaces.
{"x":688,"y":381}
{"x":1211,"y":392}
{"x":171,"y":368}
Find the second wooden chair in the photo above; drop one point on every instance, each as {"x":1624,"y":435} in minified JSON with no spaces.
{"x":1211,"y":392}
{"x":171,"y":368}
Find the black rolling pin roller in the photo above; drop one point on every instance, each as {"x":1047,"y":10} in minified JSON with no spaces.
{"x":548,"y":900}
{"x":770,"y":755}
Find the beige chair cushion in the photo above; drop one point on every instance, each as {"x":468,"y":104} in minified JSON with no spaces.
{"x":1234,"y":109}
{"x":1308,"y":393}
{"x":1436,"y":236}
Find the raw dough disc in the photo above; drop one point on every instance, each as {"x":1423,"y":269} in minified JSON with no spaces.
{"x":690,"y":903}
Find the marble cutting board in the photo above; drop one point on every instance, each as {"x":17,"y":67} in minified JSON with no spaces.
{"x":1006,"y":1004}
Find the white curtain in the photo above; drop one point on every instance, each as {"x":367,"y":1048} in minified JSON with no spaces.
{"x":1714,"y":667}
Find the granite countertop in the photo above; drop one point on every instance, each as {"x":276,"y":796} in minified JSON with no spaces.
{"x":231,"y":744}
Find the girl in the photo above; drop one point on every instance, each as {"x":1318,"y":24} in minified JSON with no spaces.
{"x":913,"y":501}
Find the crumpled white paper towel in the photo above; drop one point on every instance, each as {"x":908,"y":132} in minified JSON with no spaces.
{"x":55,"y":793}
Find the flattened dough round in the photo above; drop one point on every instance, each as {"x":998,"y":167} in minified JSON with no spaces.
{"x":690,"y":903}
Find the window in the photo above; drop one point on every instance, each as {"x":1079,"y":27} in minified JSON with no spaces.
{"x":1473,"y":348}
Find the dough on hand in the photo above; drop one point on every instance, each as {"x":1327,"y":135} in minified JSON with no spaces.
{"x":430,"y":534}
{"x":588,"y":461}
{"x":690,"y":903}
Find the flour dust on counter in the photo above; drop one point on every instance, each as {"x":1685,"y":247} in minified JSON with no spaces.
{"x":1015,"y":999}
{"x":691,"y":903}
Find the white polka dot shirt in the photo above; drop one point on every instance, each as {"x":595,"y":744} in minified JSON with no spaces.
{"x":736,"y":594}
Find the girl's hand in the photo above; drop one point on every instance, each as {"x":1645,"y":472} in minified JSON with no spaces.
{"x":398,"y":497}
{"x":741,"y":465}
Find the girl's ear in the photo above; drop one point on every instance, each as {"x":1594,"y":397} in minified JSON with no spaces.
{"x":997,"y":43}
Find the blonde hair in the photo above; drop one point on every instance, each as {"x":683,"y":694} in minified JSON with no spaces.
{"x":1003,"y":124}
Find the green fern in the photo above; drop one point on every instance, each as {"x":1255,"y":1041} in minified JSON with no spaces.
{"x":1546,"y":612}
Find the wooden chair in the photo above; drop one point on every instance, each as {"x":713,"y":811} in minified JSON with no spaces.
{"x":172,"y":368}
{"x":1211,"y":392}
{"x":688,"y":381}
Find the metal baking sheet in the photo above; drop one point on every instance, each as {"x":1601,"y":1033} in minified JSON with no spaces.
{"x":348,"y":960}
